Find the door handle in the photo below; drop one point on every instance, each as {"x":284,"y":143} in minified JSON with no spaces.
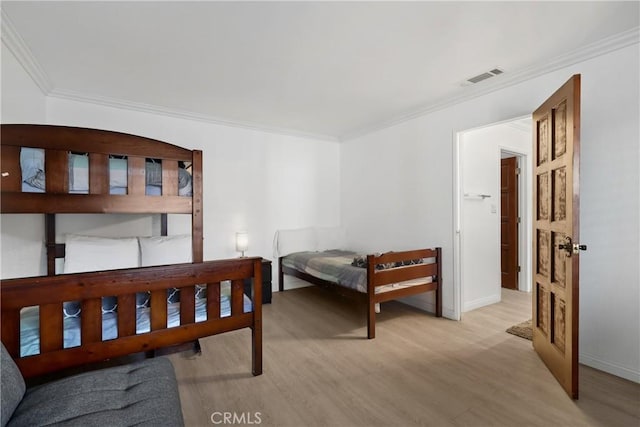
{"x":571,"y":248}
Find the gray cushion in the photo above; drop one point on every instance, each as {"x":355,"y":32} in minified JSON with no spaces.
{"x":144,"y":393}
{"x":12,"y":385}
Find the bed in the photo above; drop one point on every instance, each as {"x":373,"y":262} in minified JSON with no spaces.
{"x":142,"y":293}
{"x":311,"y":254}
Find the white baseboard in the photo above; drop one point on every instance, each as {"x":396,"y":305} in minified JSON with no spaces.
{"x":481,"y":302}
{"x":448,"y":313}
{"x":611,"y":368}
{"x":423,"y":302}
{"x":419,"y":302}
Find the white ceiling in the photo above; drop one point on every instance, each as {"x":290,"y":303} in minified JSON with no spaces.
{"x":330,"y":69}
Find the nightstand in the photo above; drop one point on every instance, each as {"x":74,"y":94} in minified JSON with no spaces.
{"x":266,"y":283}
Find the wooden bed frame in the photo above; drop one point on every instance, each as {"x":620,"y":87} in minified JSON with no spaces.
{"x":49,"y":292}
{"x":430,"y":271}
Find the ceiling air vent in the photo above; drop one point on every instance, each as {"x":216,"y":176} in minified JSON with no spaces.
{"x":483,"y":76}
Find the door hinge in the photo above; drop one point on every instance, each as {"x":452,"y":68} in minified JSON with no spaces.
{"x":518,"y":220}
{"x":517,"y":171}
{"x":518,"y":269}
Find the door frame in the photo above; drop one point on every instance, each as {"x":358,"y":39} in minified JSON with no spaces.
{"x":524,"y":204}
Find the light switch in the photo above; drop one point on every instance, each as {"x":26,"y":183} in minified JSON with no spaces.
{"x":493,"y":208}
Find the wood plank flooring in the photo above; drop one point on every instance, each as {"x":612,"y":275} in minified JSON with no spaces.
{"x":320,"y":370}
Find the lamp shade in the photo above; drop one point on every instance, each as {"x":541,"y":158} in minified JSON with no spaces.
{"x":242,"y":241}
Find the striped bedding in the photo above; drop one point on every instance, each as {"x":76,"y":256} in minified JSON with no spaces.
{"x":333,"y":266}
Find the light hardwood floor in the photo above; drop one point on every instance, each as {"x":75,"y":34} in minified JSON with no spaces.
{"x":319,"y":369}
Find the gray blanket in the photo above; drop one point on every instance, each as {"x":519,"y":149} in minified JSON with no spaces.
{"x":333,"y":266}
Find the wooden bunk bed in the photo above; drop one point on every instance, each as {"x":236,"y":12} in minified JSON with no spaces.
{"x":49,"y":293}
{"x":384,"y":277}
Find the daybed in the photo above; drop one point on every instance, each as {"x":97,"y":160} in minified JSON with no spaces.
{"x":81,"y":317}
{"x":144,"y":393}
{"x":311,"y":254}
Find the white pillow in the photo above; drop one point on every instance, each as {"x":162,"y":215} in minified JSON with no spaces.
{"x":289,"y":241}
{"x":330,"y":238}
{"x":90,"y":253}
{"x":163,"y":250}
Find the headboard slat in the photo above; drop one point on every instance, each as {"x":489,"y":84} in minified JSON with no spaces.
{"x":56,"y":165}
{"x":237,"y":292}
{"x":169,"y":178}
{"x":91,"y":321}
{"x":213,"y":300}
{"x":126,"y":315}
{"x":98,"y":173}
{"x":135,"y":176}
{"x":10,"y":165}
{"x":51,"y":327}
{"x":187,"y":305}
{"x":158,"y":309}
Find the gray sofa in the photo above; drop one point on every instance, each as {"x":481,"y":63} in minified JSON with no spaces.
{"x":144,"y":393}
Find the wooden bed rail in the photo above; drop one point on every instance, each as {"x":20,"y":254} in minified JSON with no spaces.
{"x":394,"y":274}
{"x":401,"y":280}
{"x":49,"y":293}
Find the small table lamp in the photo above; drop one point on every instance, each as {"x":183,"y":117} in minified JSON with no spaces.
{"x":242,"y":242}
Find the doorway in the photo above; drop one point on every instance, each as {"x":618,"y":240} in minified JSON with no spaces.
{"x":478,"y":208}
{"x":509,"y":219}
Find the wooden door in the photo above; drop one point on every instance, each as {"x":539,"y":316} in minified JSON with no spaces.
{"x":556,"y":134}
{"x":509,"y":222}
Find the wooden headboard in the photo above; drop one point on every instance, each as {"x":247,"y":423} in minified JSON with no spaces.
{"x":59,"y":141}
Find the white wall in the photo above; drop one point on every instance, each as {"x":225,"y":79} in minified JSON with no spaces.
{"x":22,"y":102}
{"x":253,"y":181}
{"x":397,"y":192}
{"x":480,"y":218}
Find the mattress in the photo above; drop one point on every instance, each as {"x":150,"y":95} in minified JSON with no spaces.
{"x":30,"y":322}
{"x":333,"y":266}
{"x":339,"y":267}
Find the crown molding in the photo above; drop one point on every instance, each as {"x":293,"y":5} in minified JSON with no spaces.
{"x":182,"y":114}
{"x":519,"y":125}
{"x":15,"y":43}
{"x":601,"y":47}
